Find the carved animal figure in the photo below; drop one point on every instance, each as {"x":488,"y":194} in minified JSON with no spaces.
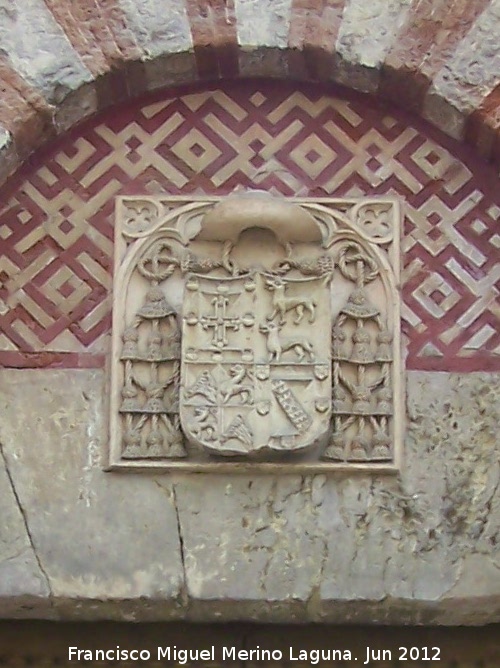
{"x":205,"y":427}
{"x":232,"y":386}
{"x":282,"y":304}
{"x":276,"y":345}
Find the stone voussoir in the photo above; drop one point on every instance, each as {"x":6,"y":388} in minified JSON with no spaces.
{"x":81,"y":62}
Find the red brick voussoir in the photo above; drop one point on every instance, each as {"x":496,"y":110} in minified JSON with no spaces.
{"x":314,"y":27}
{"x":215,"y":41}
{"x":430,"y":35}
{"x":483,"y":127}
{"x":23,"y":111}
{"x":98,"y":32}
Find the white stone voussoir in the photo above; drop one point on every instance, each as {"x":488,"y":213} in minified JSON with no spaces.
{"x":158,"y":27}
{"x":40,"y":51}
{"x":263,"y":23}
{"x":366,"y":34}
{"x":468,"y":77}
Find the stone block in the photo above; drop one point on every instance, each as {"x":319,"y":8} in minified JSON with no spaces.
{"x":263,"y":24}
{"x":100,"y":538}
{"x":263,"y":62}
{"x":158,"y":27}
{"x":76,"y":106}
{"x":40,"y":51}
{"x":170,"y":70}
{"x":365,"y":36}
{"x":420,"y":548}
{"x":364,"y":548}
{"x":24,"y":590}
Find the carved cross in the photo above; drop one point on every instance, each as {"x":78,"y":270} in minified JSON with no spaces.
{"x":220,"y":321}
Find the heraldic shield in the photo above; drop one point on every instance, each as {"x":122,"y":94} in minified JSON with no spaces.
{"x":255,"y":365}
{"x":254,"y":332}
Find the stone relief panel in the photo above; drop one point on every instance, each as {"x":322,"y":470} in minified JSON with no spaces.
{"x":255,"y":331}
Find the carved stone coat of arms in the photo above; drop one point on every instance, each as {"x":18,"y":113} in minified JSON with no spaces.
{"x":256,"y":331}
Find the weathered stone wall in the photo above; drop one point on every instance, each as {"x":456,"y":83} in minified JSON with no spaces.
{"x":77,"y":542}
{"x":63,"y":60}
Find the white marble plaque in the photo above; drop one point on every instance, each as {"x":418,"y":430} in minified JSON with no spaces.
{"x":254,"y":332}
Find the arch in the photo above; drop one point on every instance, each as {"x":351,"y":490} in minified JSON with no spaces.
{"x":63,"y":61}
{"x":450,"y":245}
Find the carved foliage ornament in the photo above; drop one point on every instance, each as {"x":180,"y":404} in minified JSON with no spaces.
{"x":256,"y":332}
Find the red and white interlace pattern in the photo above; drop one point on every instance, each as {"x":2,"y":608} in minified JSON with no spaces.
{"x":56,"y":222}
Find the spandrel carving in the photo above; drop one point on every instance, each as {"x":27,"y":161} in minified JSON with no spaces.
{"x":256,"y":332}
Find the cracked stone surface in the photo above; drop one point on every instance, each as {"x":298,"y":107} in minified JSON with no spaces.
{"x":103,"y":541}
{"x":23,"y":586}
{"x":418,"y":548}
{"x":396,"y":549}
